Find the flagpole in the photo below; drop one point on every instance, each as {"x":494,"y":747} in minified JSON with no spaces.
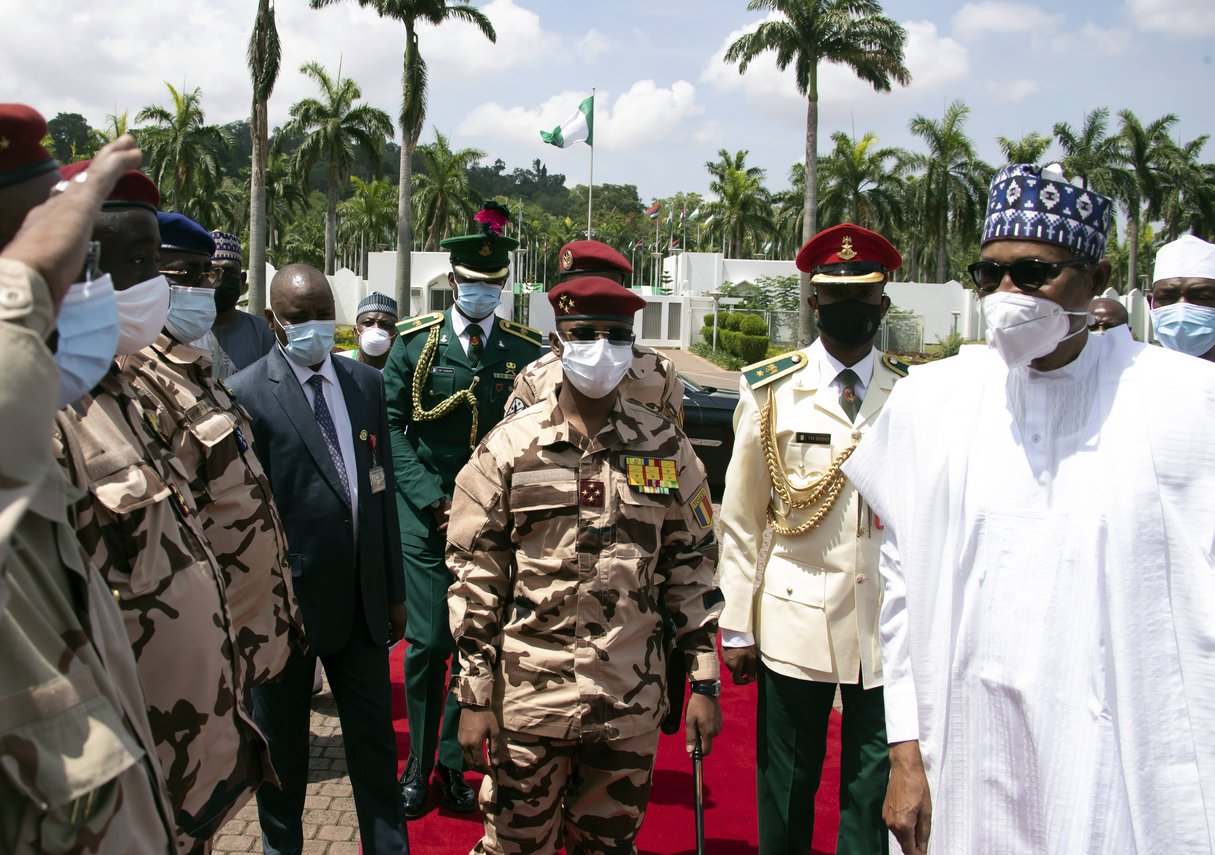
{"x":590,"y":188}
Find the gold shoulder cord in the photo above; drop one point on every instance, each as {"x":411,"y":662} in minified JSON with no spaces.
{"x":420,"y":413}
{"x":825,"y":491}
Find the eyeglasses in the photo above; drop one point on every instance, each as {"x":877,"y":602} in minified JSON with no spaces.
{"x":189,"y":276}
{"x":614,"y":335}
{"x":1028,"y":274}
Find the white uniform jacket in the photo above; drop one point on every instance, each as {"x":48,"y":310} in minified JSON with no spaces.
{"x":814,"y":613}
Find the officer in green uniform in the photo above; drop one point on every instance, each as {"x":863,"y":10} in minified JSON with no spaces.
{"x":447,"y":380}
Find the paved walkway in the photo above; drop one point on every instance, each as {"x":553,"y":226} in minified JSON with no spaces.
{"x":331,"y":826}
{"x":703,"y":371}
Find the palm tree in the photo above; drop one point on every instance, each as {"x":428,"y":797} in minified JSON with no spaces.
{"x":1090,"y":154}
{"x":333,"y":127}
{"x":741,"y":212}
{"x":444,"y":195}
{"x":1028,"y":149}
{"x":861,"y":183}
{"x":181,"y":150}
{"x":286,"y":195}
{"x":1143,"y":150}
{"x":413,"y":101}
{"x":369,"y":217}
{"x":1187,"y":189}
{"x":853,"y":33}
{"x":954,"y":186}
{"x":263,"y":56}
{"x":116,"y":126}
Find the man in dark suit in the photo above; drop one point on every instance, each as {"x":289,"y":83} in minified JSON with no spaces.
{"x":320,"y":429}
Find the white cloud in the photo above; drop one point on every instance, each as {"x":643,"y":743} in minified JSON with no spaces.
{"x":1011,"y":91}
{"x":934,"y":60}
{"x":1191,"y":19}
{"x":459,"y":48}
{"x":591,"y":46}
{"x":975,"y":20}
{"x":645,"y":115}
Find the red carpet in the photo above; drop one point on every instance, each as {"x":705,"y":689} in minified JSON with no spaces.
{"x":670,"y":824}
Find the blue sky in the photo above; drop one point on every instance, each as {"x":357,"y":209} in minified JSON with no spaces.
{"x":665,"y":101}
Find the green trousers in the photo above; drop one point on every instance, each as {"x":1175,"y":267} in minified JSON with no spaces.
{"x":791,"y":742}
{"x":427,"y":702}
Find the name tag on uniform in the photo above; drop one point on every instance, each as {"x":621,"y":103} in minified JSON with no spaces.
{"x":443,"y":370}
{"x":813,"y":438}
{"x":376,"y":476}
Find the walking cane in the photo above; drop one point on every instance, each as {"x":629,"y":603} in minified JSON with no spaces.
{"x":698,"y":775}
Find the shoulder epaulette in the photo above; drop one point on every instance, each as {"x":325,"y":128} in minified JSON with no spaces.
{"x":532,"y":336}
{"x":765,"y":372}
{"x":420,"y":322}
{"x":899,"y":368}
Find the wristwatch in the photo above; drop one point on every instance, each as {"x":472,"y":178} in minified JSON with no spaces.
{"x":712,"y":688}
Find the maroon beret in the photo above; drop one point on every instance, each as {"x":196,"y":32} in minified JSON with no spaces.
{"x":848,"y":253}
{"x":22,"y":156}
{"x":594,"y":298}
{"x":590,"y":256}
{"x":133,"y":188}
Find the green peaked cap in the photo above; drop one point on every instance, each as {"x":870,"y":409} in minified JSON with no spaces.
{"x":485,"y":255}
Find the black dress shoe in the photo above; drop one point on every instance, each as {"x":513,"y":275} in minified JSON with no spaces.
{"x":454,"y":790}
{"x":414,"y":791}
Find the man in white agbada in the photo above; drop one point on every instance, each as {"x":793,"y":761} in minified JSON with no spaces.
{"x":1183,"y":297}
{"x":1048,"y":629}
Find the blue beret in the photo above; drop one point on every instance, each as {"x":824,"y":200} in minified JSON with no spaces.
{"x":179,"y":232}
{"x":377,"y":302}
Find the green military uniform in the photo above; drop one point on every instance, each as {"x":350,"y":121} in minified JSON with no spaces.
{"x":436,"y":422}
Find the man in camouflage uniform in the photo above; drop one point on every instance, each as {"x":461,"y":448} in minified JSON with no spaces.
{"x":652,"y":380}
{"x":142,"y":525}
{"x":78,"y":765}
{"x":572,"y":523}
{"x":446,"y":381}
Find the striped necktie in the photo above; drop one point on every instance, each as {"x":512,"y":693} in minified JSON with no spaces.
{"x":324,"y":420}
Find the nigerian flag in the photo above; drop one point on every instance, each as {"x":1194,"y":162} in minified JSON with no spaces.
{"x":577,"y":128}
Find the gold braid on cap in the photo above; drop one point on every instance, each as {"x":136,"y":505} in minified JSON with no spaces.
{"x":824,"y":492}
{"x":445,"y":407}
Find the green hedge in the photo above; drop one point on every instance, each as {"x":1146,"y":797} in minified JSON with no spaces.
{"x":748,"y":347}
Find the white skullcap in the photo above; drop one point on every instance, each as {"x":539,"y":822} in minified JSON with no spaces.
{"x":1188,"y":257}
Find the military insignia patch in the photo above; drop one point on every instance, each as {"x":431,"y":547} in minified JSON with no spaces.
{"x":847,"y":253}
{"x":702,"y":508}
{"x":897,"y":366}
{"x":567,"y":260}
{"x":485,"y":249}
{"x":515,"y":406}
{"x":652,"y":474}
{"x":590,"y":494}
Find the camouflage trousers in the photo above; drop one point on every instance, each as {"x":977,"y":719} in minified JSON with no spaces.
{"x":588,"y":796}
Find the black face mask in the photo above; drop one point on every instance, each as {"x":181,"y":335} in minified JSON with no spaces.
{"x":226,"y":295}
{"x":849,"y":323}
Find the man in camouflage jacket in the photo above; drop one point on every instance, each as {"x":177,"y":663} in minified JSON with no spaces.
{"x":142,"y":524}
{"x":572,"y":523}
{"x":79,"y":771}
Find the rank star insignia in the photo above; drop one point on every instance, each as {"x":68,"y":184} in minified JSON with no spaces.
{"x":566,"y":304}
{"x":590,"y":494}
{"x":846,"y":251}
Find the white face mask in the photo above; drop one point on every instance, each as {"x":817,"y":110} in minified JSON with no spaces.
{"x":88,"y":334}
{"x":596,"y":367}
{"x":1021,"y":328}
{"x":142,"y":310}
{"x":374,"y":341}
{"x":191,"y":312}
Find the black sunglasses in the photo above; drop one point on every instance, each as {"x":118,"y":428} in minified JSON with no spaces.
{"x":1029,"y":274}
{"x":615,"y":335}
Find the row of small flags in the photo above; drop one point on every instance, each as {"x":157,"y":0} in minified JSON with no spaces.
{"x":684,"y":216}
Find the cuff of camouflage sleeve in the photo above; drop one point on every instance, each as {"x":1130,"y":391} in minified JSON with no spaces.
{"x":472,"y":691}
{"x":704,"y":666}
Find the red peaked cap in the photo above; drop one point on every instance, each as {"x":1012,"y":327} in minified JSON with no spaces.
{"x":590,"y":256}
{"x":594,"y":298}
{"x":133,"y":188}
{"x":22,"y":156}
{"x":848,"y":253}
